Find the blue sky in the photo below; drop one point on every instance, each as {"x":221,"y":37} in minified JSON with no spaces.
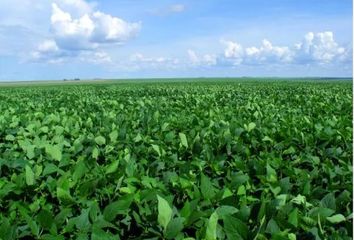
{"x":56,"y":39}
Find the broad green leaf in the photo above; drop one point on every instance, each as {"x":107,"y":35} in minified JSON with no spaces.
{"x":174,"y":227}
{"x":338,"y":218}
{"x":207,"y":189}
{"x":329,"y":201}
{"x":29,"y":176}
{"x":290,"y":150}
{"x":272,"y":227}
{"x":82,"y":221}
{"x":120,"y":206}
{"x":235,"y":228}
{"x":80,"y":170}
{"x":210,"y":233}
{"x":100,"y":234}
{"x":251,"y":126}
{"x":138,"y":138}
{"x":157,"y":149}
{"x":45,"y":219}
{"x":267,"y":139}
{"x":241,"y":190}
{"x":64,"y":195}
{"x":49,"y":169}
{"x":299,"y":199}
{"x":7,"y":231}
{"x":95,"y":153}
{"x":164,"y":212}
{"x":100,"y":140}
{"x":10,"y":137}
{"x":54,"y":151}
{"x":293,"y":217}
{"x":111,"y":168}
{"x":183,"y":139}
{"x":113,"y":136}
{"x":226,"y":210}
{"x":30,"y":152}
{"x":271,"y":174}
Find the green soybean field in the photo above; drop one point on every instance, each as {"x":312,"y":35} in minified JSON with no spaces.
{"x":201,"y":159}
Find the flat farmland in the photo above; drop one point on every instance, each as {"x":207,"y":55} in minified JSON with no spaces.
{"x":176,"y":159}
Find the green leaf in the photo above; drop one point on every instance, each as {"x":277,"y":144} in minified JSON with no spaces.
{"x":272,"y":227}
{"x":183,"y":139}
{"x":138,"y":138}
{"x":267,"y":139}
{"x":100,"y":140}
{"x":174,"y":227}
{"x":29,"y":176}
{"x":210,"y":233}
{"x":299,"y":200}
{"x":241,"y":190}
{"x":118,"y":207}
{"x":7,"y":230}
{"x":54,"y":151}
{"x":157,"y":149}
{"x":64,"y":195}
{"x":95,"y":153}
{"x":251,"y":126}
{"x":45,"y":219}
{"x":164,"y":212}
{"x":111,"y":168}
{"x":235,"y":228}
{"x":271,"y":174}
{"x":99,"y":234}
{"x":49,"y":169}
{"x":30,"y":151}
{"x":207,"y":189}
{"x":290,"y":150}
{"x":329,"y":201}
{"x":113,"y":136}
{"x":338,"y":218}
{"x":226,"y":210}
{"x":80,"y":170}
{"x":10,"y":137}
{"x":293,"y":217}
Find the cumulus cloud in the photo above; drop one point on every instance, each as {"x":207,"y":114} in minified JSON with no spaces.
{"x":253,"y":55}
{"x":207,"y":59}
{"x":48,"y":51}
{"x":88,"y":32}
{"x":233,"y":51}
{"x":315,"y":48}
{"x":320,"y":47}
{"x":76,"y":7}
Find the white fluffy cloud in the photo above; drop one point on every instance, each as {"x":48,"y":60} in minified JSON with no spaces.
{"x":76,"y":7}
{"x":207,"y":59}
{"x":320,"y":47}
{"x":233,"y":51}
{"x":315,"y":48}
{"x":88,"y":32}
{"x":48,"y":51}
{"x":253,"y":55}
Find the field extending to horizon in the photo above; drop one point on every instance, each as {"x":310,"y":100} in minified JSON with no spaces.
{"x":176,"y":159}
